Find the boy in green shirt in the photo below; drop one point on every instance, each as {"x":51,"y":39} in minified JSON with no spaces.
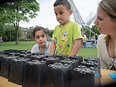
{"x":67,"y":36}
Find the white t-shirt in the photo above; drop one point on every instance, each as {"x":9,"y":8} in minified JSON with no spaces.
{"x":106,"y":61}
{"x":35,"y":49}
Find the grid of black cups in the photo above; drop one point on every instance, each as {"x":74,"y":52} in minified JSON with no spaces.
{"x":45,"y":70}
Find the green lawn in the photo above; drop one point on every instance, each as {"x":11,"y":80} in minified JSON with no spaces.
{"x":88,"y":52}
{"x":84,"y":52}
{"x":21,"y":46}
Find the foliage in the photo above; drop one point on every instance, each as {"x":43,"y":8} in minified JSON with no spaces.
{"x":30,"y":35}
{"x":49,"y":32}
{"x":1,"y":29}
{"x":9,"y":33}
{"x":94,"y":29}
{"x":17,"y":10}
{"x":90,"y":31}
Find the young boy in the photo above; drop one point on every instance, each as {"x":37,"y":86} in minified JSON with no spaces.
{"x":67,"y":36}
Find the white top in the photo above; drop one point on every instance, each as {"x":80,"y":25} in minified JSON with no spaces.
{"x":35,"y":49}
{"x":105,"y":61}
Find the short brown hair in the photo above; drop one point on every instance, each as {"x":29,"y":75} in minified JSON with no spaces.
{"x":63,"y":2}
{"x":38,"y":28}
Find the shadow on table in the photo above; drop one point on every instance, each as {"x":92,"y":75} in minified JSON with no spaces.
{"x":110,"y":85}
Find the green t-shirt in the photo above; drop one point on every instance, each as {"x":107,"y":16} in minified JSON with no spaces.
{"x":64,"y":37}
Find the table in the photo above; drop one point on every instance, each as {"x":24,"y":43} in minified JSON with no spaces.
{"x":105,"y":79}
{"x":5,"y":83}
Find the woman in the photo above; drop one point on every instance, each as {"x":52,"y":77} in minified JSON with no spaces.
{"x":106,"y":23}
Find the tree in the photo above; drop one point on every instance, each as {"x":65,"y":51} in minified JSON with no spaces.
{"x":30,"y":35}
{"x":90,"y":31}
{"x":17,"y":10}
{"x":94,"y":28}
{"x":1,"y":29}
{"x":9,"y":33}
{"x":86,"y":31}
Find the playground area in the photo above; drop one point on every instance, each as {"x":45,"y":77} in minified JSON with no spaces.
{"x":91,"y":43}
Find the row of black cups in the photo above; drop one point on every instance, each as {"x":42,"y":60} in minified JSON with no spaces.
{"x":45,"y":70}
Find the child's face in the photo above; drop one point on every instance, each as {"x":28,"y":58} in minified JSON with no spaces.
{"x":62,"y":14}
{"x":40,"y":37}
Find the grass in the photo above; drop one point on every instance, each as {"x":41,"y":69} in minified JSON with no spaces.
{"x":84,"y":52}
{"x":21,"y":46}
{"x":88,"y":52}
